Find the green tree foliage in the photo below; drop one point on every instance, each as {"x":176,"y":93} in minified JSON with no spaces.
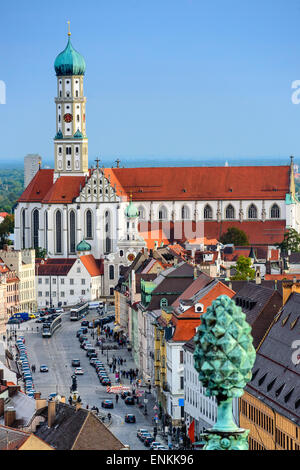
{"x":11,"y":188}
{"x":244,"y":271}
{"x":235,"y":236}
{"x":6,"y":228}
{"x":291,"y":241}
{"x":40,"y":252}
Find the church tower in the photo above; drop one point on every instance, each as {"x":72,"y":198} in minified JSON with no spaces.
{"x":70,"y":141}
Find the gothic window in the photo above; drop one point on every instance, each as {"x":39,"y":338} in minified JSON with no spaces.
{"x":252,"y":212}
{"x":78,"y":118}
{"x":46,"y":231}
{"x":23,"y":228}
{"x":275,"y":212}
{"x":185,"y":213}
{"x":162,"y":213}
{"x":111,"y":272}
{"x":229,"y":213}
{"x":141,"y":212}
{"x":69,"y":150}
{"x":208,"y":213}
{"x":72,"y":232}
{"x":59,"y":150}
{"x":58,"y":232}
{"x":35,"y":224}
{"x":107,"y":229}
{"x":89,"y":227}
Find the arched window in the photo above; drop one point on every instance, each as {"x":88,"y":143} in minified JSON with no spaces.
{"x":58,"y":232}
{"x":72,"y":232}
{"x":23,"y":228}
{"x":111,"y":272}
{"x":252,"y":212}
{"x":107,"y":229}
{"x":185,"y":213}
{"x":89,"y":225}
{"x":35,"y":225}
{"x":229,"y":213}
{"x":120,"y":269}
{"x":275,"y":212}
{"x":162,"y":213}
{"x":208,"y":213}
{"x":141,"y":212}
{"x":46,"y":231}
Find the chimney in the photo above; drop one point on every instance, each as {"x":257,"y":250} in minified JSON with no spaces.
{"x":78,"y":406}
{"x":257,"y":276}
{"x":9,"y":416}
{"x":1,"y":406}
{"x":37,"y":395}
{"x":51,"y":412}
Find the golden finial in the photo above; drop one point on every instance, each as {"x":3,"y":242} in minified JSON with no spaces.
{"x":69,"y":32}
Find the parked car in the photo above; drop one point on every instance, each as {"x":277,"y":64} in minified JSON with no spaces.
{"x":140,"y":431}
{"x":107,"y":404}
{"x":106,"y":382}
{"x":75,"y":362}
{"x":79,"y":371}
{"x":125,"y":394}
{"x":148,"y":440}
{"x":59,"y":310}
{"x":44,"y":368}
{"x":154,"y":444}
{"x":144,"y":435}
{"x":39,"y":320}
{"x":129,"y":401}
{"x":130,"y":418}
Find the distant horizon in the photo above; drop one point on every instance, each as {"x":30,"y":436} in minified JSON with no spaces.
{"x":159,"y":161}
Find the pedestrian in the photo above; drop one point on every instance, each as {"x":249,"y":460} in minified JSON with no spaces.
{"x":117,"y":398}
{"x":87,"y":407}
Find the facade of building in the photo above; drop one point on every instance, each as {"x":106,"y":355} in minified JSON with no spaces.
{"x":22,"y":263}
{"x":270,"y":406}
{"x":68,"y":282}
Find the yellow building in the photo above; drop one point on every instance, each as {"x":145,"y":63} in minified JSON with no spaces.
{"x":270,"y":406}
{"x":23,"y":263}
{"x":160,"y":355}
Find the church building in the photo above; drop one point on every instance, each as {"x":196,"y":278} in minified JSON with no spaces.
{"x":118,"y":210}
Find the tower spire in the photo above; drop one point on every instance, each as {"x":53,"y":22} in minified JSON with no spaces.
{"x":292,"y":178}
{"x":69,"y":32}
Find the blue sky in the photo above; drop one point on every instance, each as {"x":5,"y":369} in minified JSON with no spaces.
{"x":176,"y":79}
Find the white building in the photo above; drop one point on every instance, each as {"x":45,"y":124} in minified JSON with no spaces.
{"x":197,"y":406}
{"x":32,"y":163}
{"x":68,"y":282}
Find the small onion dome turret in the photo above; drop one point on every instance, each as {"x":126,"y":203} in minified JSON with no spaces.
{"x":83,"y":246}
{"x":69,"y":62}
{"x":131,"y":212}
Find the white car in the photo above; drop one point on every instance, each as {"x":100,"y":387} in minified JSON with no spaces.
{"x":59,"y":310}
{"x":79,"y":371}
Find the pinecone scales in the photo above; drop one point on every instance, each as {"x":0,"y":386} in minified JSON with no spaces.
{"x":224,"y":353}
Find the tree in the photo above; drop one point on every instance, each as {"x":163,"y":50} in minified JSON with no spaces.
{"x":6,"y":228}
{"x":40,"y":252}
{"x":291,"y":241}
{"x":235,"y":236}
{"x":244,"y":272}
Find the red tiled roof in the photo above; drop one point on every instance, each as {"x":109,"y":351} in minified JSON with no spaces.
{"x":280,"y":277}
{"x":93,"y":266}
{"x":201,"y":183}
{"x":171,"y":183}
{"x":55,"y":267}
{"x":187,"y":322}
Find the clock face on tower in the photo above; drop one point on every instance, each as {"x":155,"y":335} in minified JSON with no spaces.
{"x":68,"y":117}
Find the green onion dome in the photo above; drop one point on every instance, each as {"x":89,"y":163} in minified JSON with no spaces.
{"x":131,"y":211}
{"x":83,"y":246}
{"x":69,"y":62}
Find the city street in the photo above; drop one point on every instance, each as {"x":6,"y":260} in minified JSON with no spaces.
{"x":57,"y":353}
